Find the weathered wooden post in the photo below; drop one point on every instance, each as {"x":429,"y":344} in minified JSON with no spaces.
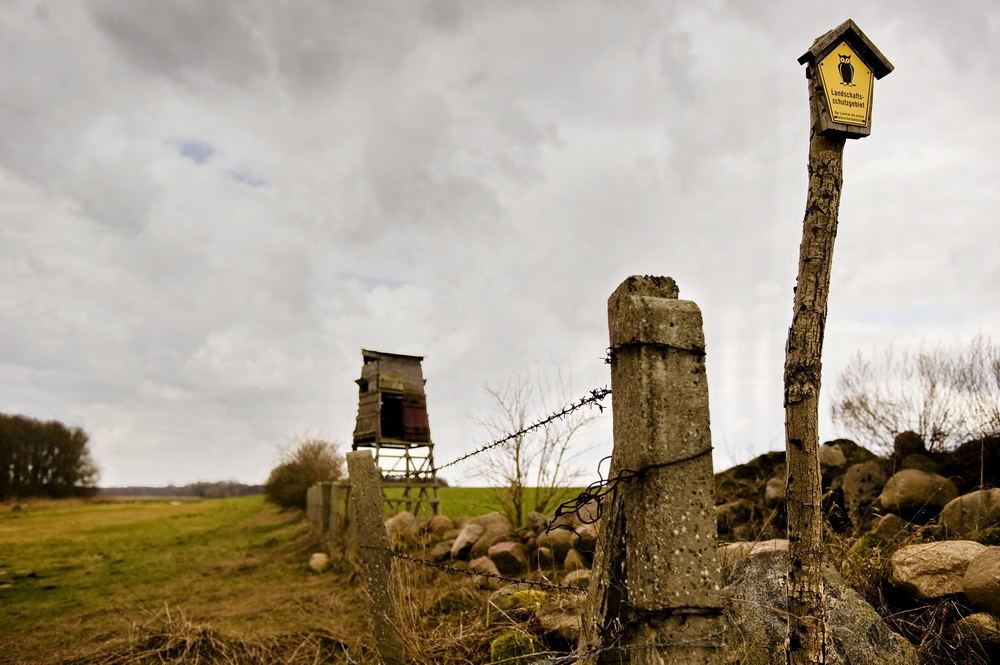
{"x":373,"y":541}
{"x":840,"y":67}
{"x":654,"y":597}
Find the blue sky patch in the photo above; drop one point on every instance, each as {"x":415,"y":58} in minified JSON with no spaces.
{"x":197,"y":151}
{"x":247,"y":178}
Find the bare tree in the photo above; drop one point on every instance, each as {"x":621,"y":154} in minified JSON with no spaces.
{"x":533,"y":471}
{"x":946,"y":395}
{"x":979,"y":382}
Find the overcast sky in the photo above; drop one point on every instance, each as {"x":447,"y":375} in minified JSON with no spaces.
{"x":207,"y":209}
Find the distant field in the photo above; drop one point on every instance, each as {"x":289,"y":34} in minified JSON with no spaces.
{"x":74,"y":574}
{"x":79,"y":578}
{"x":471,"y":501}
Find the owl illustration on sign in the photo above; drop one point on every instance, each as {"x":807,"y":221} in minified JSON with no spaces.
{"x":846,"y":69}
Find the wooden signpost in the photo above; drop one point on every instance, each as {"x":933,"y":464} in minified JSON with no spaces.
{"x":841,"y":67}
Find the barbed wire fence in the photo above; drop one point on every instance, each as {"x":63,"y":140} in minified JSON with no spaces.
{"x":374,"y":544}
{"x":659,"y":483}
{"x":593,"y":399}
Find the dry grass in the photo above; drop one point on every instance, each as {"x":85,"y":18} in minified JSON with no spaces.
{"x":448,"y":618}
{"x":442,"y":618}
{"x":864,"y":564}
{"x":210,"y":582}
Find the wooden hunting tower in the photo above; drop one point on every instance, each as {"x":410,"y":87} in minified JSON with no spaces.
{"x":392,"y":421}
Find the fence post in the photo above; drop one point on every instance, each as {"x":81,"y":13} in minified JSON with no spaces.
{"x":373,"y":542}
{"x":324,"y":511}
{"x":655,"y":588}
{"x":313,"y":506}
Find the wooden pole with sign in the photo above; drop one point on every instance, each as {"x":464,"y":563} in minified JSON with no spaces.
{"x":840,"y":68}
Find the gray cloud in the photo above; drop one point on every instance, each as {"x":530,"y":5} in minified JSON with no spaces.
{"x":465,"y":181}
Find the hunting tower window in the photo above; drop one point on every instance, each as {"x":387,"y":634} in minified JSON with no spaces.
{"x":391,"y":416}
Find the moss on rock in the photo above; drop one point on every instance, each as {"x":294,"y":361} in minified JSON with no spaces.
{"x":516,"y":648}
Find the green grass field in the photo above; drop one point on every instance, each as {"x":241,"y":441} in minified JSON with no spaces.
{"x":75,"y":573}
{"x":473,"y":501}
{"x":79,"y":576}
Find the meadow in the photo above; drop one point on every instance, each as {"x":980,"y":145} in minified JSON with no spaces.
{"x":108,"y":581}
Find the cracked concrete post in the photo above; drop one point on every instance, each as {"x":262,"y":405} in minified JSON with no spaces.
{"x":655,"y":596}
{"x":373,"y":543}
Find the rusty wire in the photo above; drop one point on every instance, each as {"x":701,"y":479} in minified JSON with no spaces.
{"x":593,"y":399}
{"x":600,"y":489}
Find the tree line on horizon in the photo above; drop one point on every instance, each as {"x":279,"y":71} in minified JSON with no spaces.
{"x":218,"y":489}
{"x":44,"y":459}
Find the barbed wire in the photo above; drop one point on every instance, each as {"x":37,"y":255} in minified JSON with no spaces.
{"x":598,"y":490}
{"x":611,"y":353}
{"x":593,"y":399}
{"x":548,"y":586}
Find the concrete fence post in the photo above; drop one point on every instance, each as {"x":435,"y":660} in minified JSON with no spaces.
{"x":336,"y":517}
{"x":324,"y":510}
{"x":655,"y":589}
{"x":314,"y":504}
{"x":376,"y":557}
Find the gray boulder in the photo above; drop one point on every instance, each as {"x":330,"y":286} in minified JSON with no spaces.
{"x":908,"y":443}
{"x":979,"y":629}
{"x":439,"y":525}
{"x":932,"y":570}
{"x":756,"y":604}
{"x":575,"y":560}
{"x":496,"y":527}
{"x":587,"y":538}
{"x":888,"y":526}
{"x":319,"y":562}
{"x":831,"y":460}
{"x":558,"y":540}
{"x":560,"y":626}
{"x":467,"y":537}
{"x":441,"y":551}
{"x":536,"y":521}
{"x":509,"y":558}
{"x":578,"y":578}
{"x":774,"y":492}
{"x":967,"y":515}
{"x":486,"y":567}
{"x":732,"y":514}
{"x":913,"y":492}
{"x":862,"y":485}
{"x":981,"y":582}
{"x":544,"y":558}
{"x":921,"y":462}
{"x":402,"y":528}
{"x":734,"y":552}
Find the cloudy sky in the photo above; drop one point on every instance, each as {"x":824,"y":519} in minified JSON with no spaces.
{"x":208,"y":208}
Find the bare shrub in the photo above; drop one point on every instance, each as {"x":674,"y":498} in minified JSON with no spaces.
{"x":533,"y":471}
{"x":307,"y":461}
{"x":944,"y":394}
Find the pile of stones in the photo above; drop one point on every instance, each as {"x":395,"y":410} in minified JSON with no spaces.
{"x":556,"y":549}
{"x":933,"y":517}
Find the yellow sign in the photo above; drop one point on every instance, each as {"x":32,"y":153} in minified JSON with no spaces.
{"x":847,"y":83}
